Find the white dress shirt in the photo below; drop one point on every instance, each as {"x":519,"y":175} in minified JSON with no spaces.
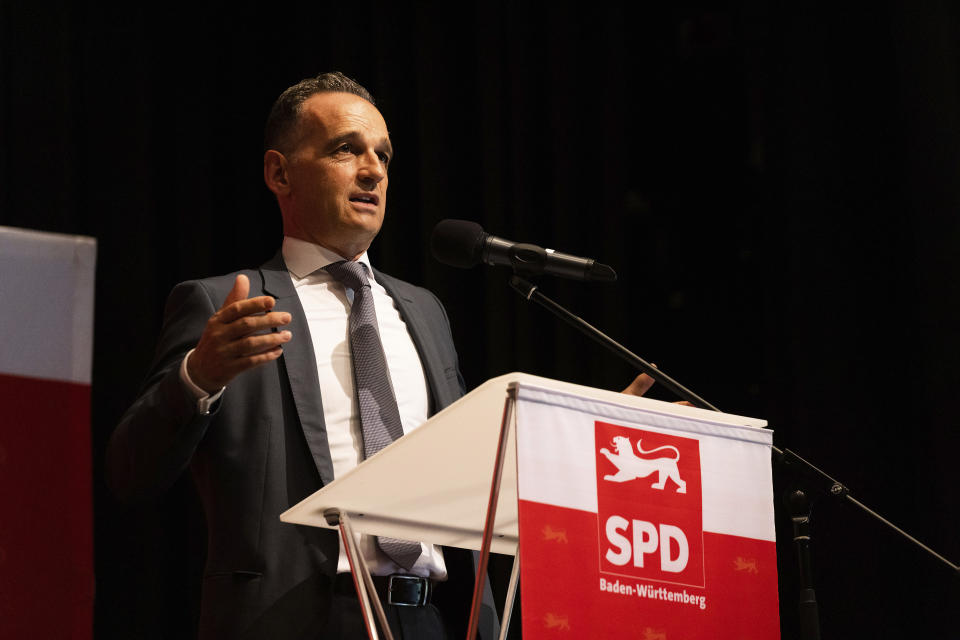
{"x":326,"y":304}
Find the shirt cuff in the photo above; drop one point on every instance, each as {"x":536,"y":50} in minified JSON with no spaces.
{"x":204,"y":400}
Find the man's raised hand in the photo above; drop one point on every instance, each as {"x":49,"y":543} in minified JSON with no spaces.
{"x":237,"y":337}
{"x":642,"y":383}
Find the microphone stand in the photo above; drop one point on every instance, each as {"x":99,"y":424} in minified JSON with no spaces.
{"x":810,"y":625}
{"x":800,"y":511}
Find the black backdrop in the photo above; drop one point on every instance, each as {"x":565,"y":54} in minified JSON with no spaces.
{"x":776,"y":184}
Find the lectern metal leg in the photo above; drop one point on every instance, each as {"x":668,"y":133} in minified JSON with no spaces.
{"x":482,"y":562}
{"x":511,"y":596}
{"x":362,"y":580}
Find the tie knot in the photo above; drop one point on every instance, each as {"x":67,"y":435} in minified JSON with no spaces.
{"x":349,"y":273}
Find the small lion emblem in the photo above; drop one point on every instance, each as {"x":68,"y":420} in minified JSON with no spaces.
{"x":557,"y":535}
{"x":553,"y":621}
{"x":744,"y":564}
{"x":631,"y":467}
{"x":650,"y":633}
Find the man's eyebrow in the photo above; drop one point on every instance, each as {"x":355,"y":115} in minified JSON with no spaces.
{"x":349,"y":136}
{"x":336,"y":141}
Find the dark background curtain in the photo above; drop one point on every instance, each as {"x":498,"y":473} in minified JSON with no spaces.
{"x":776,"y":185}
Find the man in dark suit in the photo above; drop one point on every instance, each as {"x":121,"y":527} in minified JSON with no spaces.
{"x":253,"y":387}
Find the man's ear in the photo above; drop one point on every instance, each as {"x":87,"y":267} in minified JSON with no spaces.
{"x":275,"y":172}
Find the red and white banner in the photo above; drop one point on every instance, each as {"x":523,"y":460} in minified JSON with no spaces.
{"x":653,"y":523}
{"x":46,"y":527}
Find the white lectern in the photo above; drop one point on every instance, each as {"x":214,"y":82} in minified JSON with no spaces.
{"x":439,"y":483}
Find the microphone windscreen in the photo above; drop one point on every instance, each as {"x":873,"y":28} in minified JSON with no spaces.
{"x":458,"y":243}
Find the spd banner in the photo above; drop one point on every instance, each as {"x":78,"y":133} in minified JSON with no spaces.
{"x":653,"y":523}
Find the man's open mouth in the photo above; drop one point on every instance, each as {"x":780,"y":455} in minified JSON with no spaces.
{"x":367,"y":198}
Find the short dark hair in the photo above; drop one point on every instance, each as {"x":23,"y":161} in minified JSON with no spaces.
{"x":285,"y":113}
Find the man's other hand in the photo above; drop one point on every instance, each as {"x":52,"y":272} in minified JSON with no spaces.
{"x":237,"y":337}
{"x":641,"y":384}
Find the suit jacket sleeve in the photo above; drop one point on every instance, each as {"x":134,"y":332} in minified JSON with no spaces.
{"x":158,"y":435}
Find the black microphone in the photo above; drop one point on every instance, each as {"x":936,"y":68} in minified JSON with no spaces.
{"x":464,"y":244}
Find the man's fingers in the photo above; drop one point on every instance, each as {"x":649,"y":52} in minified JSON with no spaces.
{"x":240,"y":290}
{"x":242,"y":363}
{"x":249,"y":306}
{"x":255,"y":345}
{"x":213,"y":368}
{"x":640,"y":385}
{"x":246,"y":325}
{"x":261,"y":358}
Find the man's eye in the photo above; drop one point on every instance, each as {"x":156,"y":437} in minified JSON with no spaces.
{"x":384,"y":158}
{"x":346,"y":147}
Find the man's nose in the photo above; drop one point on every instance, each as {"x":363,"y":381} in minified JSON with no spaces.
{"x":371,"y":170}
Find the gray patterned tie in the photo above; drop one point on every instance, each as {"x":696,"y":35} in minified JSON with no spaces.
{"x":379,"y":415}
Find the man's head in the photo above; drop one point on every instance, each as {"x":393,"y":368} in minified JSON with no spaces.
{"x":326,"y":154}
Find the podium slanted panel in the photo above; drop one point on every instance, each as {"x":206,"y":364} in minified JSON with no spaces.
{"x":643,"y":520}
{"x":431,"y":485}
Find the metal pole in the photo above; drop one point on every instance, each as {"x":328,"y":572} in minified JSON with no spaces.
{"x":511,"y":595}
{"x":491,"y":514}
{"x":361,"y":576}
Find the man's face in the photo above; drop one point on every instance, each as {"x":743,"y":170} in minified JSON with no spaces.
{"x":337,"y":174}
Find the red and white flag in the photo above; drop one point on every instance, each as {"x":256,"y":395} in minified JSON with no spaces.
{"x":653,"y":523}
{"x":46,"y":346}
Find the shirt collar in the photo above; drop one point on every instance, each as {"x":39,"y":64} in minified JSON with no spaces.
{"x":303,"y":258}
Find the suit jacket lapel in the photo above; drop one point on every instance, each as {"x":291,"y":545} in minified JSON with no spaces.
{"x":301,"y":365}
{"x":419,"y":330}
